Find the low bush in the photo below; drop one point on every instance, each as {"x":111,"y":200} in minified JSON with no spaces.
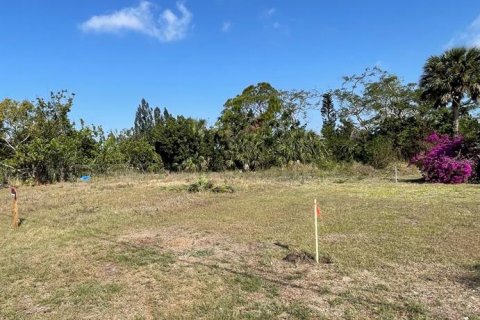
{"x":444,"y":161}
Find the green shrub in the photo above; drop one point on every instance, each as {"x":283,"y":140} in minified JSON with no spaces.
{"x":202,"y":184}
{"x":379,"y":152}
{"x":141,"y":155}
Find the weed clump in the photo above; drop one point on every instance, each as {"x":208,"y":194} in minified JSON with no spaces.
{"x":203,"y":184}
{"x":223,"y":189}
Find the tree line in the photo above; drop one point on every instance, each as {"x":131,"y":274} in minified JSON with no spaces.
{"x":373,"y":118}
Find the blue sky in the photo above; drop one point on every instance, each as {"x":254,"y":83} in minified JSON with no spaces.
{"x":191,"y":56}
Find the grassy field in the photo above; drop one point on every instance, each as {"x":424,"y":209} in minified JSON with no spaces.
{"x":142,"y":247}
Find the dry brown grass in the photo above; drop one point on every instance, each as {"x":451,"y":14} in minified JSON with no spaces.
{"x":142,"y":247}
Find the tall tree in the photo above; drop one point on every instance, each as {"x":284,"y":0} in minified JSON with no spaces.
{"x":328,"y":112}
{"x":182,"y":143}
{"x":453,"y":78}
{"x":382,"y":114}
{"x":329,"y":116}
{"x":16,"y":121}
{"x":368,"y":98}
{"x":157,"y":115}
{"x":39,"y":142}
{"x":259,"y":128}
{"x":143,"y":118}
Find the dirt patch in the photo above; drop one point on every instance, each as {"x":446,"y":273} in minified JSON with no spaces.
{"x":38,"y":309}
{"x":295,"y":256}
{"x":299,"y":257}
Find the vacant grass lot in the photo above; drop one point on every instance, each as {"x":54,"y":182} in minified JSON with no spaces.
{"x":142,"y":247}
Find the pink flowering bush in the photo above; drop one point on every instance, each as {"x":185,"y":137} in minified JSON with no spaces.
{"x":443,"y":162}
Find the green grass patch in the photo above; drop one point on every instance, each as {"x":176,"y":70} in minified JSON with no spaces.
{"x":141,"y":257}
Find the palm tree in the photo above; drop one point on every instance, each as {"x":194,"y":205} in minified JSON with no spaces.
{"x":451,"y":78}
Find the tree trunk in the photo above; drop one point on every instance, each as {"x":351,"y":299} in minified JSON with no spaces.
{"x":456,"y":114}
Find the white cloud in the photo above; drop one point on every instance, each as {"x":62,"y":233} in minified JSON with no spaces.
{"x":167,"y":27}
{"x":227,"y":25}
{"x":270,"y":20}
{"x":470,"y":37}
{"x":270,"y":12}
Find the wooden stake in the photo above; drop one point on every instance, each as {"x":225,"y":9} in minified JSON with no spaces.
{"x":15,"y":217}
{"x":316,"y":229}
{"x":396,"y":174}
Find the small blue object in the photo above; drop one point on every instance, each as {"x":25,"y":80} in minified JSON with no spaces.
{"x":85,"y":178}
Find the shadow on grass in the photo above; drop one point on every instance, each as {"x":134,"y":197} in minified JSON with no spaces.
{"x":22,"y":220}
{"x":471,"y":278}
{"x":254,"y":272}
{"x":414,"y":181}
